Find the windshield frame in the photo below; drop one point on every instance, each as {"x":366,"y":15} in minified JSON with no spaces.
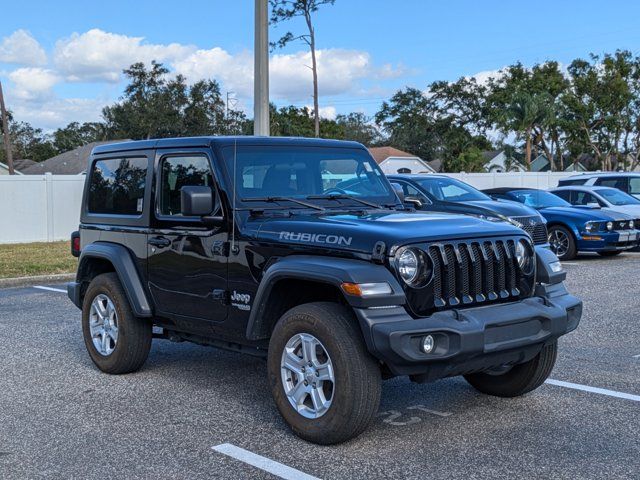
{"x":560,"y":202}
{"x":481,"y":196}
{"x":226,"y":155}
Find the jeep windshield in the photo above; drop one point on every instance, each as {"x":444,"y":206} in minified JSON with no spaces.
{"x":291,"y":174}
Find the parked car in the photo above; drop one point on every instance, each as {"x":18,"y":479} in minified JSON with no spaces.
{"x":573,"y":230}
{"x":440,"y":193}
{"x":600,"y":197}
{"x":244,"y":243}
{"x":628,"y":182}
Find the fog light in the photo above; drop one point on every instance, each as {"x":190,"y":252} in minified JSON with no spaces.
{"x":428,"y":343}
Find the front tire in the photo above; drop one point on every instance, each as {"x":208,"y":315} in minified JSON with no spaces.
{"x":324,"y":382}
{"x":562,"y":242}
{"x":520,"y":379}
{"x":117,"y":341}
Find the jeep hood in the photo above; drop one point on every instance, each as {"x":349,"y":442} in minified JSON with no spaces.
{"x":350,"y":231}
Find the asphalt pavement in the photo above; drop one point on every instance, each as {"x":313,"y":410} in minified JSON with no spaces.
{"x":197,"y":412}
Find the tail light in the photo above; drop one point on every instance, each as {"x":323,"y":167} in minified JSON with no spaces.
{"x":75,"y":244}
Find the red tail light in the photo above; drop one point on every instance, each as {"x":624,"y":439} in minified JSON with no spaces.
{"x":75,"y":244}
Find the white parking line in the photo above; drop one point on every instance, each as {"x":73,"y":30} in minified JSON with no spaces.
{"x":601,"y":391}
{"x":51,"y":289}
{"x":636,"y":356}
{"x":263,"y":463}
{"x":569,"y":263}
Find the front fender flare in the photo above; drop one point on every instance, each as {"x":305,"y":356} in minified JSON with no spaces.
{"x":120,"y":257}
{"x":328,"y":270}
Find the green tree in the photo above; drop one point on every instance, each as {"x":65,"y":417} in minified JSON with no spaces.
{"x":470,"y":160}
{"x":358,"y":127}
{"x":77,"y":134}
{"x":284,"y":10}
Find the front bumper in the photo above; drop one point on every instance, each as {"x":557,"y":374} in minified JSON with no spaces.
{"x":608,"y":241}
{"x":472,"y":339}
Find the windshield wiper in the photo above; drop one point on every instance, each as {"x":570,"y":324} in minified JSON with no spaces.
{"x":343,"y":196}
{"x":283,"y":199}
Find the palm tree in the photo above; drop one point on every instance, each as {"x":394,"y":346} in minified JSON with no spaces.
{"x":524,"y":113}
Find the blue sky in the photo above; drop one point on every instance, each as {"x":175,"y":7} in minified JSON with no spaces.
{"x":60,"y":61}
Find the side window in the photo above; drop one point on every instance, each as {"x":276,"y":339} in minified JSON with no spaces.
{"x":413,"y":192}
{"x":117,"y":186}
{"x":565,"y":195}
{"x":583,"y":198}
{"x":634,"y":186}
{"x":616,"y":182}
{"x":177,"y":172}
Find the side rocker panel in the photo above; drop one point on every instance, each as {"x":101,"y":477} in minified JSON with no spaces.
{"x":332,"y":271}
{"x":126,"y":270}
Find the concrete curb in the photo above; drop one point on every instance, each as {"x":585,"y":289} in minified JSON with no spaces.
{"x":37,"y":280}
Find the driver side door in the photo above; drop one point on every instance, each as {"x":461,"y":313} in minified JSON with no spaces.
{"x":187,"y":260}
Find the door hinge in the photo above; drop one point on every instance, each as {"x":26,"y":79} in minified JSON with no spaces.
{"x":379,"y":250}
{"x":220,"y":248}
{"x":221,"y":296}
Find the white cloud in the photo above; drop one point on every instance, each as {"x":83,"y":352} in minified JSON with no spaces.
{"x":484,"y":76}
{"x":32,"y":83}
{"x":97,"y":55}
{"x":55,"y":112}
{"x":22,"y":49}
{"x":329,"y":112}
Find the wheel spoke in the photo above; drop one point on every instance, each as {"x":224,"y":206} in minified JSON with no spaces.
{"x":309,"y":349}
{"x":113,"y":333}
{"x":105,"y":343}
{"x":325,"y":372}
{"x":319,"y":402}
{"x":293,"y":363}
{"x":298,"y":394}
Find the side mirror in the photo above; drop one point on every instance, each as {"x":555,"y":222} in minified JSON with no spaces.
{"x":593,"y":205}
{"x":399,"y":191}
{"x":196,"y":201}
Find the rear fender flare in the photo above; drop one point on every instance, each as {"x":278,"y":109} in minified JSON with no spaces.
{"x":124,"y":266}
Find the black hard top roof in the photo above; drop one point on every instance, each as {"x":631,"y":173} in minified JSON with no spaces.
{"x":222,"y":142}
{"x":509,"y":189}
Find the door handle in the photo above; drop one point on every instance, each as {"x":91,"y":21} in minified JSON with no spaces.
{"x":159,"y":242}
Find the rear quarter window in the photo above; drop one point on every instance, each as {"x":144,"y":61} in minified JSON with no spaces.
{"x":117,"y":186}
{"x":566,"y":183}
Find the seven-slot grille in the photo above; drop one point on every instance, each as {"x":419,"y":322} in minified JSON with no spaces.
{"x":474,"y":272}
{"x":534,"y":227}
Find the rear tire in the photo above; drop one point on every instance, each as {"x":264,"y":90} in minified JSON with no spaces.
{"x":562,"y":242}
{"x":520,"y":379}
{"x":354,"y":392}
{"x":610,"y":254}
{"x":127,"y":339}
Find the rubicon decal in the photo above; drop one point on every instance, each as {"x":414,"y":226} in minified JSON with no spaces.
{"x":241,"y":300}
{"x":316,"y":238}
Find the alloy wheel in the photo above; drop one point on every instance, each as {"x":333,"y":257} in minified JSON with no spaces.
{"x":307,"y":375}
{"x":559,"y":242}
{"x":103,"y":325}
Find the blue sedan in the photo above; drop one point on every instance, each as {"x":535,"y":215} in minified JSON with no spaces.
{"x":573,"y":230}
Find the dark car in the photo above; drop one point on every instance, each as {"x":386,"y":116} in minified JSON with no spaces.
{"x":244,"y":243}
{"x":440,"y":193}
{"x":628,"y":182}
{"x":573,"y":230}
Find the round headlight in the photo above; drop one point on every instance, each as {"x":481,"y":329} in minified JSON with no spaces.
{"x":408,"y":265}
{"x":413,"y":266}
{"x":609,"y":225}
{"x":524,"y":257}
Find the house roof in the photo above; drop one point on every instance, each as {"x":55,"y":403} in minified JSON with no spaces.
{"x":491,"y":154}
{"x":380,"y":154}
{"x":23,"y":163}
{"x":72,"y":162}
{"x":5,"y":167}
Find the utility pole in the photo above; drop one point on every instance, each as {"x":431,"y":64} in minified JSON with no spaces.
{"x":261,"y":70}
{"x":6,"y":136}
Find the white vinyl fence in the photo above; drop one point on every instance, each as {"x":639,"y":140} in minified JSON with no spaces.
{"x":39,"y":208}
{"x":46,"y":208}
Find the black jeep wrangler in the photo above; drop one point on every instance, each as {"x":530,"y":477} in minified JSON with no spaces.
{"x":251,"y":244}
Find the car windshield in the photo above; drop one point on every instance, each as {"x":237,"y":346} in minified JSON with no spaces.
{"x":275,"y":173}
{"x":451,"y":190}
{"x":539,"y":199}
{"x":617,"y":197}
